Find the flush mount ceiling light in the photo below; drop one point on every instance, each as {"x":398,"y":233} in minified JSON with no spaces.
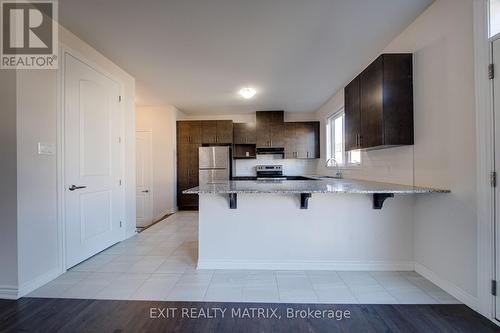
{"x":248,"y":93}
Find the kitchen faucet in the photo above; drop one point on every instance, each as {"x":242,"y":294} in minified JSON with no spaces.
{"x":338,"y":174}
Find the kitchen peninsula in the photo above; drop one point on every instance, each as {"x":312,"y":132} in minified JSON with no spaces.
{"x":322,"y":223}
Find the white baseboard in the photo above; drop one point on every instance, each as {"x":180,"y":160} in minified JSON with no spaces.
{"x":452,"y":289}
{"x":36,"y":283}
{"x":8,"y":292}
{"x":308,"y":265}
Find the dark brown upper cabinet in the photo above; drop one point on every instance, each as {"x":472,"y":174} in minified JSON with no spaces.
{"x":302,"y":140}
{"x":352,"y":109}
{"x":217,"y":131}
{"x":379,"y":104}
{"x":189,"y":132}
{"x":270,"y":129}
{"x":244,"y":134}
{"x":224,"y":131}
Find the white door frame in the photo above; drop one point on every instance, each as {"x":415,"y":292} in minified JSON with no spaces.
{"x":485,"y":135}
{"x":61,"y":223}
{"x":151,"y":169}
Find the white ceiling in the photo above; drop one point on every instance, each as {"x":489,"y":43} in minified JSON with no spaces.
{"x":197,"y":54}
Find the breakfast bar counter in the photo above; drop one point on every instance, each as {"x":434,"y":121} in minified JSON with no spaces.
{"x":307,"y":224}
{"x":306,"y":188}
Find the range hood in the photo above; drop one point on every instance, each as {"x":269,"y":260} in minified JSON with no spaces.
{"x":271,"y":151}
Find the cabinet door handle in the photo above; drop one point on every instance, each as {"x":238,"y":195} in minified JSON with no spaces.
{"x":307,"y":154}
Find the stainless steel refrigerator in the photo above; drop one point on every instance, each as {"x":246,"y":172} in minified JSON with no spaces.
{"x":214,"y":165}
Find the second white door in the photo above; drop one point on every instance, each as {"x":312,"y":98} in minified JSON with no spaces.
{"x":144,"y":178}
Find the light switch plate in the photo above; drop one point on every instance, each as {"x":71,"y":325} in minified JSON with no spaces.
{"x":46,"y":148}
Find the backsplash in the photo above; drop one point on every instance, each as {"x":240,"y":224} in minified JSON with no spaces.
{"x":291,"y":167}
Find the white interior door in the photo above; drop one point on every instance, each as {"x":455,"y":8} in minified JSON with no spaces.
{"x":496,"y":109}
{"x":92,"y":161}
{"x":144,"y":162}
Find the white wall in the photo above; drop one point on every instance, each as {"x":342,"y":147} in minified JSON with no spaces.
{"x":161,"y":121}
{"x":37,"y":181}
{"x":337,"y":231}
{"x":37,"y":176}
{"x":245,"y":117}
{"x":8,"y":176}
{"x":444,"y":153}
{"x":237,"y":118}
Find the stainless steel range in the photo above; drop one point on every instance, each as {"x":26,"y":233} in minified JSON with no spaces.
{"x":270,"y":172}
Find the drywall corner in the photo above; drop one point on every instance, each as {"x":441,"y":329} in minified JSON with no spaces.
{"x":8,"y":181}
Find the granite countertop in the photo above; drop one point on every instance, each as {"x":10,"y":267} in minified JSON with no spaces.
{"x":323,"y":185}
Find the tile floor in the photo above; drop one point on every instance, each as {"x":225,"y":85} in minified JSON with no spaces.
{"x":160,"y":264}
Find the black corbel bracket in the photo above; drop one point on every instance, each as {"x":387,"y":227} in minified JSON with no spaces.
{"x":379,"y":198}
{"x":304,"y":200}
{"x":233,"y":200}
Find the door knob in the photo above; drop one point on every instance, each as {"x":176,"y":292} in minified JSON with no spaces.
{"x":74,"y":187}
{"x":145,"y":191}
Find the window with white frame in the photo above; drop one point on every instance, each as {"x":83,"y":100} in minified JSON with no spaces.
{"x":335,"y":142}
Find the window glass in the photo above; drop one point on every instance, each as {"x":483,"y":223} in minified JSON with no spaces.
{"x":494,"y":17}
{"x":335,"y":141}
{"x":339,"y":139}
{"x":355,"y":157}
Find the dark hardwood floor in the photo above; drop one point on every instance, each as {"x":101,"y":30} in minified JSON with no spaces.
{"x":71,"y":315}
